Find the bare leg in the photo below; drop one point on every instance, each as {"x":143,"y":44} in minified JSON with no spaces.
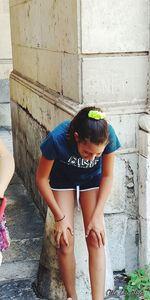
{"x":96,"y":254}
{"x":65,"y":200}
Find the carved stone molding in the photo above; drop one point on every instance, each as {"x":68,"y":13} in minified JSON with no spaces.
{"x":71,"y":107}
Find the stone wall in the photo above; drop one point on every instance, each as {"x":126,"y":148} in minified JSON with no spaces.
{"x":68,"y":54}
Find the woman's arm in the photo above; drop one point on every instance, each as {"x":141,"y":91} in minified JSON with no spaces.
{"x":42,"y":181}
{"x":106,"y":182}
{"x":7,"y":167}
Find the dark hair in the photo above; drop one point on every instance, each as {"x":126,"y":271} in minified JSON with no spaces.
{"x":95,"y":131}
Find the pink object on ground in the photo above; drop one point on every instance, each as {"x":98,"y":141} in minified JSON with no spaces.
{"x":2,"y":208}
{"x":4,"y":235}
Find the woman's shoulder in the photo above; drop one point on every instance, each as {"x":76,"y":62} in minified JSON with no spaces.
{"x":61,"y":128}
{"x":110,"y":128}
{"x":55,"y":140}
{"x":114,"y":142}
{"x":58,"y":134}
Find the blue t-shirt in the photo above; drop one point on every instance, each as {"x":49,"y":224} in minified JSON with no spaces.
{"x":67,"y":160}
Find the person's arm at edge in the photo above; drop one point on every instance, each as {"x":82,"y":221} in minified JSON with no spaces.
{"x":7,"y":167}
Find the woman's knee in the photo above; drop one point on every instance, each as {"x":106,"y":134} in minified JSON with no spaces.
{"x":92,"y":240}
{"x":64,"y":248}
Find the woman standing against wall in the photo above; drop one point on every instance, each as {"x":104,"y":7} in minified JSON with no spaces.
{"x":78,"y":156}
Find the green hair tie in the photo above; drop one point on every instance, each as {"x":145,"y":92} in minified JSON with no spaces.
{"x":96,"y":115}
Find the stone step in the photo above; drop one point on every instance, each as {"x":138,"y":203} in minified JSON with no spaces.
{"x":23,"y":224}
{"x":18,"y":270}
{"x":23,"y":250}
{"x":18,"y":289}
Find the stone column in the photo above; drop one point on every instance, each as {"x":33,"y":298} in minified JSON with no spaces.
{"x":144,"y":189}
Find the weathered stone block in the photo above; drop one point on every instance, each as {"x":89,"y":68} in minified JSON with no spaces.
{"x":144,"y":143}
{"x":22,"y":57}
{"x":131,"y":184}
{"x":58,"y":29}
{"x":123,"y":197}
{"x":49,"y":69}
{"x":71,"y":76}
{"x":123,"y":124}
{"x":116,"y":226}
{"x":17,"y":288}
{"x":122,"y":233}
{"x":114,"y":79}
{"x":144,"y":249}
{"x":25,"y":16}
{"x":109,"y":27}
{"x":16,"y":32}
{"x":11,"y":271}
{"x":132,"y":245}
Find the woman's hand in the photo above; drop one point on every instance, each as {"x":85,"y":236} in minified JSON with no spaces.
{"x":60,"y":230}
{"x":97,"y":225}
